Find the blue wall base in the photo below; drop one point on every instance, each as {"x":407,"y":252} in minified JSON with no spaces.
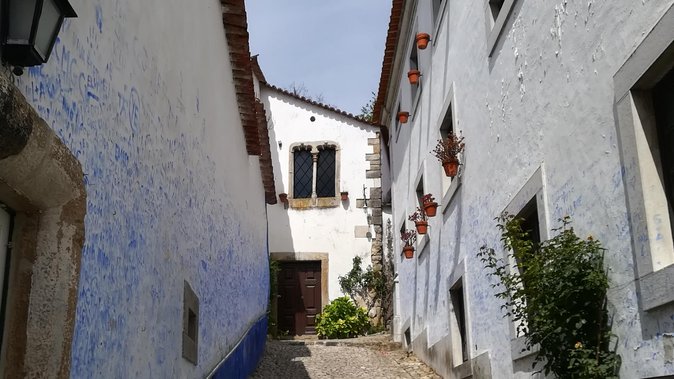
{"x":244,"y":358}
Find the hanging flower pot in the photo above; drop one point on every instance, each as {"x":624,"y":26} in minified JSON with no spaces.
{"x":422,"y":40}
{"x":403,"y":117}
{"x":430,"y":206}
{"x":413,"y":76}
{"x":283,"y":197}
{"x":344,"y":195}
{"x":408,"y":251}
{"x":451,"y":168}
{"x":422,"y":226}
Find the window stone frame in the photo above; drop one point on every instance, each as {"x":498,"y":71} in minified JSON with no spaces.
{"x":642,"y":69}
{"x":314,"y":201}
{"x":535,"y":187}
{"x":43,"y":182}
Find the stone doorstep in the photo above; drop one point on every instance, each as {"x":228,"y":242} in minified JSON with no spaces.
{"x":365,"y":342}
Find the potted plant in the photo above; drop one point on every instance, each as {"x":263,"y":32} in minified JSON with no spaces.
{"x":447,"y":151}
{"x":413,"y":75}
{"x":344,"y":195}
{"x":403,"y":116}
{"x":429,"y":204}
{"x":409,"y":237}
{"x":422,"y":40}
{"x":420,"y":220}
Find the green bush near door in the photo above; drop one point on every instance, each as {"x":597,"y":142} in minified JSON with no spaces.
{"x":342,"y":319}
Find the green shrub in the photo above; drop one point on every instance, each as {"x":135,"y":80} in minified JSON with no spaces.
{"x":342,"y":319}
{"x":556,"y":292}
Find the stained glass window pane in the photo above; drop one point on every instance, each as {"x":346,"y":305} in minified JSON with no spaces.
{"x":325,"y":173}
{"x":303,"y":174}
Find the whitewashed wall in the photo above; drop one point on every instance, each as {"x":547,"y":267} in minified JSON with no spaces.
{"x":319,"y":230}
{"x":142,"y":93}
{"x":545,"y":98}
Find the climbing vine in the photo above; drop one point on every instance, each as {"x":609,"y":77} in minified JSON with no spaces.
{"x":555,"y":292}
{"x":274,"y":269}
{"x":372,"y":286}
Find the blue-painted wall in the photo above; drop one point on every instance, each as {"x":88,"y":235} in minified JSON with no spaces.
{"x":142,"y":93}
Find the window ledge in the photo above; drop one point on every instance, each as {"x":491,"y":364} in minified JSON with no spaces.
{"x":464,"y":370}
{"x":518,"y":348}
{"x":309,"y":203}
{"x":656,"y":288}
{"x":451,"y":191}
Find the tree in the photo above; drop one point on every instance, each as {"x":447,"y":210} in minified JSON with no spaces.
{"x":367,"y":110}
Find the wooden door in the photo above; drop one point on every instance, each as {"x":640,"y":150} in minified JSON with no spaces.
{"x":299,"y":297}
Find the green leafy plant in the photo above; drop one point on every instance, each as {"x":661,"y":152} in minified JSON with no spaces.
{"x":367,"y":285}
{"x":342,"y":319}
{"x":555,"y":292}
{"x":274,"y":269}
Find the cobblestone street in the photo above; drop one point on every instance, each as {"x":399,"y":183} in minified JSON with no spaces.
{"x":359,"y":358}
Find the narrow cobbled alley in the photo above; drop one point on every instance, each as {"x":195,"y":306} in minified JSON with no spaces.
{"x":365,"y":357}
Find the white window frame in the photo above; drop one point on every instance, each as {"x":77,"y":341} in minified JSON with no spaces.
{"x":438,"y":20}
{"x":449,"y":185}
{"x":535,"y":187}
{"x":495,"y":25}
{"x":654,"y":255}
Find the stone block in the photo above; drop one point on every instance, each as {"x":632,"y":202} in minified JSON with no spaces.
{"x":373,"y":174}
{"x":361,"y":231}
{"x":373,"y":157}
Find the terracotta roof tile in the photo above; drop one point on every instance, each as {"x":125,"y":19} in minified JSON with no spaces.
{"x":251,"y":111}
{"x":389,"y":55}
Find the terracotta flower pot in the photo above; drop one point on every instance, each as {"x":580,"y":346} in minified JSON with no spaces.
{"x":413,"y":76}
{"x":451,"y":168}
{"x":283,"y":197}
{"x":408,"y":251}
{"x":344,"y":195}
{"x":403,"y":117}
{"x":422,"y":40}
{"x":431,"y":209}
{"x":422,"y":226}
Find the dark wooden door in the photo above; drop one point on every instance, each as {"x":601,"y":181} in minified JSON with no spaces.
{"x":299,"y":297}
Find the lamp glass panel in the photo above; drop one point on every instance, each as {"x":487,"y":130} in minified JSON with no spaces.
{"x":21,"y":15}
{"x":50,"y":23}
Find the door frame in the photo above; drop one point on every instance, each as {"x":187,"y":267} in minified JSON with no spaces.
{"x":299,"y":257}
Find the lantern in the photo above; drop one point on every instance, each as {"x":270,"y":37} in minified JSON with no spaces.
{"x":30,"y":28}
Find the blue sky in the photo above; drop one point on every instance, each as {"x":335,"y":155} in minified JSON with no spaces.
{"x":334,"y":47}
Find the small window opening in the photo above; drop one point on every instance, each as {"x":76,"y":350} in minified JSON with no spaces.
{"x":663,"y":103}
{"x":530,"y":223}
{"x":495,"y":6}
{"x":190,"y":346}
{"x":414,"y":65}
{"x":458,"y":304}
{"x":436,"y":10}
{"x":420,"y":191}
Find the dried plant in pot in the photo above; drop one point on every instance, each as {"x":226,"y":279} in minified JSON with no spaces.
{"x":448,"y":151}
{"x":429,"y":204}
{"x":409,"y":237}
{"x":420,"y":220}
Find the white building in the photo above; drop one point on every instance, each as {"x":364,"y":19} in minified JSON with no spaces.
{"x":319,"y":153}
{"x":561,"y":104}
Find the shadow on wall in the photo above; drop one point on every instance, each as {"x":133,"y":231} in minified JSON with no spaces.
{"x":281,"y":361}
{"x":278,"y":220}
